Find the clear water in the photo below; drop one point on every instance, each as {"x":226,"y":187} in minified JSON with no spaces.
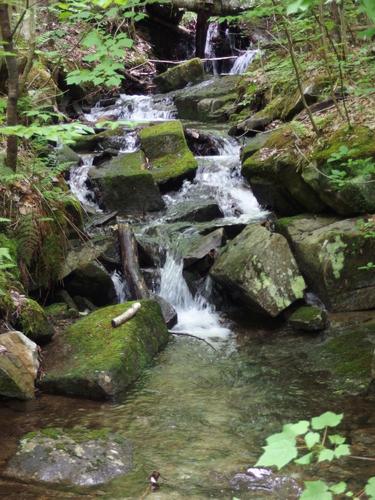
{"x":78,"y":183}
{"x":242,"y":62}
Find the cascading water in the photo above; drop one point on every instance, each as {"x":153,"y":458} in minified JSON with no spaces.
{"x":78,"y":183}
{"x":119,"y":285}
{"x":209,"y":50}
{"x":242,"y":62}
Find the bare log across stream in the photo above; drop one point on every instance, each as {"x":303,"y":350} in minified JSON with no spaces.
{"x":130,"y":264}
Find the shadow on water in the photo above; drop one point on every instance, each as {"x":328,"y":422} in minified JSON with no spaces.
{"x":200,"y":416}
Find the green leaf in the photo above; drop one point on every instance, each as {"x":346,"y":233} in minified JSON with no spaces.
{"x":305,"y":459}
{"x":370,"y":488}
{"x":342,"y":451}
{"x":298,"y":428}
{"x":337,"y":439}
{"x":316,"y":490}
{"x":299,"y":6}
{"x":327,"y":419}
{"x":326,"y":454}
{"x":311,"y":439}
{"x":338,"y":488}
{"x":281,"y":449}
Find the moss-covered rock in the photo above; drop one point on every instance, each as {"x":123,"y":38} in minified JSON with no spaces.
{"x":309,"y":319}
{"x":33,"y":322}
{"x":126,"y":185}
{"x":258,"y":121}
{"x":333,"y":256}
{"x":19,"y":366}
{"x":209,"y":101}
{"x":93,"y":360}
{"x":274,"y":175}
{"x":179,"y":76}
{"x":342,"y":172}
{"x":78,"y":456}
{"x":311,"y":89}
{"x":258,"y":269}
{"x":170,"y":159}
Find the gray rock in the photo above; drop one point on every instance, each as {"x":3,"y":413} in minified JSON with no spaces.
{"x":264,"y":480}
{"x":19,"y":364}
{"x":79,"y":456}
{"x":180,"y":75}
{"x":168,"y":311}
{"x":194,"y":211}
{"x":258,"y":269}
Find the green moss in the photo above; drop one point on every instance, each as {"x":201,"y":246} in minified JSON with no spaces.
{"x":33,"y":322}
{"x":178,"y":76}
{"x":97,"y":350}
{"x":334,"y":251}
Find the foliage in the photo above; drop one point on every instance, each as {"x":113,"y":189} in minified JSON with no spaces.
{"x":309,"y":441}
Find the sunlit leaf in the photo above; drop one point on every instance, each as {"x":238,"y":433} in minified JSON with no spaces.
{"x":327,"y":419}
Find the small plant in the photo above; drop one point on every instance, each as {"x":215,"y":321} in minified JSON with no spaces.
{"x":6,"y":260}
{"x":309,"y":441}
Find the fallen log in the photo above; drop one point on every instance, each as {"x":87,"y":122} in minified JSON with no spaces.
{"x":124,"y":317}
{"x":130,"y":264}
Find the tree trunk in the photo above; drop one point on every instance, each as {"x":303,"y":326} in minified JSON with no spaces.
{"x":130,"y":265}
{"x":12,"y":66}
{"x":201,"y":33}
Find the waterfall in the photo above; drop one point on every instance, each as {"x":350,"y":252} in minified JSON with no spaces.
{"x":119,"y":285}
{"x":78,"y":183}
{"x":209,"y":50}
{"x":242,"y":62}
{"x":195,"y":314}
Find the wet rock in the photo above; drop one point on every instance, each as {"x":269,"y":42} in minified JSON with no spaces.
{"x":126,"y":184}
{"x":309,"y":319}
{"x":204,"y":249}
{"x":92,"y":281}
{"x":209,"y":101}
{"x":78,"y":456}
{"x":195,"y":211}
{"x":80,"y":254}
{"x":65,"y":154}
{"x":275,"y":178}
{"x":19,"y":364}
{"x":170,"y":161}
{"x":258,"y":268}
{"x":168,"y":311}
{"x":264,"y":480}
{"x":332,"y":255}
{"x":259,"y":120}
{"x":254,"y":144}
{"x":93,"y":360}
{"x":179,"y":76}
{"x":354,"y":192}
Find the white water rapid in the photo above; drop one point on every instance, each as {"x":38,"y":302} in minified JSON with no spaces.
{"x":78,"y":183}
{"x":242,"y":62}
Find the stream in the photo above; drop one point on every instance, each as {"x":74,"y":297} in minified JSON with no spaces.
{"x":198,"y":415}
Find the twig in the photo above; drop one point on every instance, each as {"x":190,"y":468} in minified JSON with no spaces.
{"x":184,"y":334}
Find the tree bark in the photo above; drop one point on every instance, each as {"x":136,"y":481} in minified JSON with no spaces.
{"x":130,"y":265}
{"x":12,"y":66}
{"x":201,"y":33}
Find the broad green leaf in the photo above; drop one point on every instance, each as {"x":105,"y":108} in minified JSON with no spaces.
{"x":305,"y":459}
{"x":299,"y":6}
{"x":370,"y":488}
{"x":311,"y":439}
{"x":327,"y":419}
{"x":337,"y":439}
{"x":326,"y":454}
{"x":338,"y":488}
{"x":342,"y":451}
{"x":316,"y":490}
{"x":369,"y":6}
{"x":298,"y":428}
{"x":281,"y":449}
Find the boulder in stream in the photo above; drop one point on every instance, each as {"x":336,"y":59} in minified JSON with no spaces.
{"x":179,"y":76}
{"x":260,"y":480}
{"x":170,"y":161}
{"x":93,"y":360}
{"x":309,"y":319}
{"x":258,"y":268}
{"x":194,"y":211}
{"x":19,"y":364}
{"x":333,"y":256}
{"x":78,"y":456}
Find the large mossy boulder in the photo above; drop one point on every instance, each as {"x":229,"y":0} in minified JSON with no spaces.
{"x":342,"y":172}
{"x":258,"y":269}
{"x":211,"y":101}
{"x":170,"y":159}
{"x":333,"y":255}
{"x":275,"y":178}
{"x":71,"y":457}
{"x":309,"y":319}
{"x":33,"y":321}
{"x":19,"y":364}
{"x":179,"y":76}
{"x":93,"y":360}
{"x":125,"y":184}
